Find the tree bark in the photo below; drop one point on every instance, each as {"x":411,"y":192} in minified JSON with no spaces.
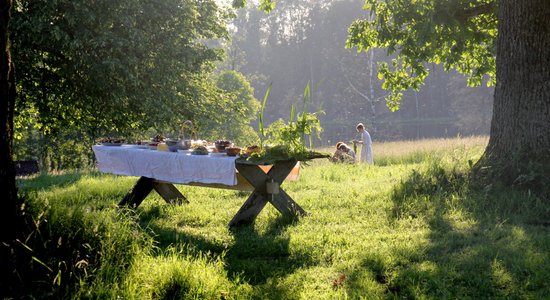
{"x":519,"y":147}
{"x":8,"y":203}
{"x":8,"y":190}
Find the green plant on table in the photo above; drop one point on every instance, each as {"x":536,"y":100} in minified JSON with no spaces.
{"x":288,"y":140}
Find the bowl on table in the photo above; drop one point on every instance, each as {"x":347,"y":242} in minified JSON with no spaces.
{"x":222,"y":144}
{"x":200,"y":150}
{"x":172,"y":145}
{"x":232,"y":151}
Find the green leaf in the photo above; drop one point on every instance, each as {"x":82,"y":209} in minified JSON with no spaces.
{"x":267,"y":5}
{"x":239,"y":3}
{"x":421,"y":31}
{"x":261,"y":117}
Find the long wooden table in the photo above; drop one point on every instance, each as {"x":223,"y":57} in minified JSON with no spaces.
{"x":264,"y":181}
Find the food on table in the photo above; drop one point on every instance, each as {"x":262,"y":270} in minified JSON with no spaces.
{"x":222,"y":144}
{"x":246,"y":152}
{"x":197,"y":143}
{"x":232,"y":151}
{"x":162,"y":147}
{"x":200,"y":150}
{"x":253,"y":149}
{"x":158,"y":138}
{"x":154,"y":142}
{"x":111,"y":141}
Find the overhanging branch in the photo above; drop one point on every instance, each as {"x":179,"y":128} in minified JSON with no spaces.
{"x":470,"y":12}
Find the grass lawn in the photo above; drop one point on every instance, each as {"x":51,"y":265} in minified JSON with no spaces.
{"x":410,"y":227}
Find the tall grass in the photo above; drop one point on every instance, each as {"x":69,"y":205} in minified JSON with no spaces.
{"x":411,"y":226}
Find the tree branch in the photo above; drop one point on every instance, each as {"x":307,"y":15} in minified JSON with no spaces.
{"x":475,"y":11}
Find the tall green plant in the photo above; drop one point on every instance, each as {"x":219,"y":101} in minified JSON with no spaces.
{"x":261,"y":117}
{"x":288,"y":140}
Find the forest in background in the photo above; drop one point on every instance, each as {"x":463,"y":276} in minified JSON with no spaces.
{"x":304,"y":40}
{"x":84,"y":73}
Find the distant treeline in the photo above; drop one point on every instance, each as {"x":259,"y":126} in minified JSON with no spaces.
{"x":304,"y":40}
{"x":134,"y":70}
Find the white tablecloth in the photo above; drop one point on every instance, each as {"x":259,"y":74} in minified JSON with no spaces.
{"x":175,"y":167}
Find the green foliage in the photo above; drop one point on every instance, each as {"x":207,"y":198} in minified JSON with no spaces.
{"x":115,"y":65}
{"x":112,"y":68}
{"x":261,"y":116}
{"x":68,"y":242}
{"x":299,"y":126}
{"x":235,"y":119}
{"x":418,"y":192}
{"x":419,"y":229}
{"x":171,"y":276}
{"x":265,"y":5}
{"x":66,"y":150}
{"x":459,"y":34}
{"x":288,"y":140}
{"x":293,"y":133}
{"x":303,"y":40}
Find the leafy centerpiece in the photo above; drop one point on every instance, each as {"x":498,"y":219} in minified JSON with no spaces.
{"x":283,"y":141}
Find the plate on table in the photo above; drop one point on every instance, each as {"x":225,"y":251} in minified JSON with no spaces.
{"x":185,"y":151}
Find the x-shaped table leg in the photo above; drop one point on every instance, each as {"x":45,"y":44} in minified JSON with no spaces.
{"x":259,"y":197}
{"x":144,"y":186}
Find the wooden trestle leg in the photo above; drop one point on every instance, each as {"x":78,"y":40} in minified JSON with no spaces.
{"x":259,"y":197}
{"x":144,"y":186}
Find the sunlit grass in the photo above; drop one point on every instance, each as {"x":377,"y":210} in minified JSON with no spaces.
{"x":413,"y":151}
{"x":410,"y":226}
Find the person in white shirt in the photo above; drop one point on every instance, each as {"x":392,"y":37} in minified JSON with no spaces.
{"x":366,"y":149}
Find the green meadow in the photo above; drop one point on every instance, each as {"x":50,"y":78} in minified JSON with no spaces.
{"x":412,"y":226}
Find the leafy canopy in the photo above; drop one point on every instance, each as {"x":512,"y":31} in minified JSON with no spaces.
{"x":115,"y":65}
{"x":265,"y":5}
{"x":240,"y":111}
{"x":460,"y":34}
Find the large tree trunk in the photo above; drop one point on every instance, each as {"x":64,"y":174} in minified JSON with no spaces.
{"x":8,"y":201}
{"x":519,"y":147}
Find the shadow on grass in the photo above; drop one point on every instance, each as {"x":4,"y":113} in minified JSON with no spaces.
{"x":254,"y":255}
{"x":481,"y":242}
